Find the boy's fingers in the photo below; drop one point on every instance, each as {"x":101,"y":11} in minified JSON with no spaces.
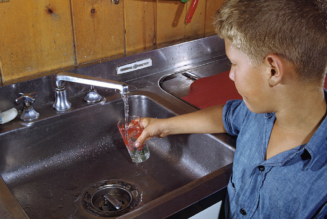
{"x":144,"y":122}
{"x":141,"y":139}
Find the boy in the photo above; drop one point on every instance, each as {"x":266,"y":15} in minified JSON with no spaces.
{"x":278,"y":53}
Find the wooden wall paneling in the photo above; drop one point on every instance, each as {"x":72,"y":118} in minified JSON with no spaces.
{"x":35,"y":37}
{"x":140,"y":25}
{"x":212,"y":7}
{"x":195,"y":29}
{"x":170,"y":22}
{"x":98,"y":29}
{"x":1,"y":82}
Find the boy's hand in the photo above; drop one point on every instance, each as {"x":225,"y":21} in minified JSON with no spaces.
{"x":152,"y":128}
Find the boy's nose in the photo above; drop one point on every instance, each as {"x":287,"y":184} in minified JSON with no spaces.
{"x":231,"y":75}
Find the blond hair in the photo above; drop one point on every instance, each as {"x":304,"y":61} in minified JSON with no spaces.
{"x":293,"y":29}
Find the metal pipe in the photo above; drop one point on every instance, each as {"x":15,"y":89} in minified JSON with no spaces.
{"x":82,"y":79}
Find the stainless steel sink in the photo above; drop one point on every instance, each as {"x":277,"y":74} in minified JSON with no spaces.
{"x":49,"y":165}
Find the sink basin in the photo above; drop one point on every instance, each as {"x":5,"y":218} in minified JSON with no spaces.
{"x":48,"y":165}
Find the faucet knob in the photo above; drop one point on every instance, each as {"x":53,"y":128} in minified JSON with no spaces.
{"x":28,"y":98}
{"x":93,"y":96}
{"x":28,"y":114}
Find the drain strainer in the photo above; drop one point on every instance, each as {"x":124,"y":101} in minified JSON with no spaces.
{"x":111,"y":198}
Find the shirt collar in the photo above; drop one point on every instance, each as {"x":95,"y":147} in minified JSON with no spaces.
{"x":269,"y":115}
{"x":317,"y":146}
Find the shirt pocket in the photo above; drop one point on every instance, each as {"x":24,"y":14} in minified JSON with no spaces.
{"x":231,"y":189}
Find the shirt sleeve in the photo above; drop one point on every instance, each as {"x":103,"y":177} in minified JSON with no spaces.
{"x":234,"y":114}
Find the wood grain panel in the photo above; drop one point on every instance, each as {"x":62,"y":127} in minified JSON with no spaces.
{"x":140,"y":25}
{"x":98,"y":29}
{"x":1,"y":82}
{"x":195,"y":29}
{"x":170,"y":22}
{"x":212,"y":7}
{"x":35,"y":37}
{"x":39,"y":37}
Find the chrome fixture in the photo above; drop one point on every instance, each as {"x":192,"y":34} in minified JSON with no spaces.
{"x":115,"y":202}
{"x":28,"y":114}
{"x":111,"y":198}
{"x":62,"y":104}
{"x":93,"y":96}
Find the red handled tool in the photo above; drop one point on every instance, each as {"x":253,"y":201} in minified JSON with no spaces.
{"x":190,"y":14}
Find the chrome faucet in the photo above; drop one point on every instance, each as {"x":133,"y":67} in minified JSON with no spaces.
{"x":62,"y":104}
{"x":28,"y":114}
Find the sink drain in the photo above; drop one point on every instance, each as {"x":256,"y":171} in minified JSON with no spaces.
{"x":111,"y":198}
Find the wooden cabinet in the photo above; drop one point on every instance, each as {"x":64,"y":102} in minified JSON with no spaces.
{"x":42,"y":37}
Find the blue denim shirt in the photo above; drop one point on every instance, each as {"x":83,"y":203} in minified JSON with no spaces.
{"x":292,"y":184}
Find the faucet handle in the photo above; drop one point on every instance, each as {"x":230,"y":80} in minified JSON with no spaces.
{"x":28,"y":114}
{"x":93,"y":96}
{"x":27,"y":98}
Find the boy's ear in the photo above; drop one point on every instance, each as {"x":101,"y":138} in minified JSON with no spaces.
{"x":275,"y":67}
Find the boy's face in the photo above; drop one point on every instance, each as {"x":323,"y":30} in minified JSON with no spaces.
{"x":251,"y":81}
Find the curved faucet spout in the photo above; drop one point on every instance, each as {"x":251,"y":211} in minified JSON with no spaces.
{"x":82,"y":79}
{"x":61,"y":102}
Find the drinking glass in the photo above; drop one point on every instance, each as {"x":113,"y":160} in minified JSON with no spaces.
{"x":130,"y":135}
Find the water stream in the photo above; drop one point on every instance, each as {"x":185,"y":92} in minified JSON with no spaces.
{"x":126,"y":111}
{"x":137,"y":155}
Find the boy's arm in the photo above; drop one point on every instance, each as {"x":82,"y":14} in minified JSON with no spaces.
{"x":209,"y":120}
